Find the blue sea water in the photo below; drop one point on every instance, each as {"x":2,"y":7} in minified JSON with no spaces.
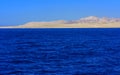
{"x":60,"y":51}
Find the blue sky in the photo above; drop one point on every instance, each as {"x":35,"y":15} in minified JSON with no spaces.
{"x":16,"y":12}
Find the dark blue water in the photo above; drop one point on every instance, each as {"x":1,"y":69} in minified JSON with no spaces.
{"x":59,"y":51}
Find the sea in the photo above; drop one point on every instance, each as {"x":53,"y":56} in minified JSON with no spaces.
{"x":60,"y":51}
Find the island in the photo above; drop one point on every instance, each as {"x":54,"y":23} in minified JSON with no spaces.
{"x":87,"y":22}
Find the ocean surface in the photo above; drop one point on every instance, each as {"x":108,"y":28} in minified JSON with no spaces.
{"x":60,"y":51}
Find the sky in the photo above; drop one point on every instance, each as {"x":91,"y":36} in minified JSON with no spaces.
{"x":17,"y":12}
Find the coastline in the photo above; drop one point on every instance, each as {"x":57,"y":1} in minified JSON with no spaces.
{"x":88,"y":22}
{"x":109,"y":25}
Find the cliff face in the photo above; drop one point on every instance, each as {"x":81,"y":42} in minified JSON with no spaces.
{"x":87,"y":22}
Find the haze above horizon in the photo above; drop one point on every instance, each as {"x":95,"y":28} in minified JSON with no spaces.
{"x":17,"y":12}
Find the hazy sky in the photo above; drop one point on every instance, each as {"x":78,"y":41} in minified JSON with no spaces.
{"x":16,"y":12}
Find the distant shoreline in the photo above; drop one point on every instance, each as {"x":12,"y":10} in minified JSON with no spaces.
{"x":65,"y":28}
{"x":88,"y":22}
